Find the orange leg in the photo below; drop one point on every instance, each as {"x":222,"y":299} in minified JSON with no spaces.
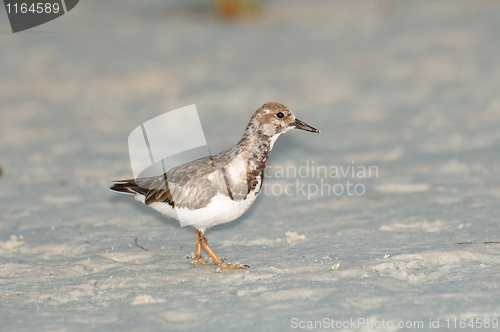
{"x":198,"y":244}
{"x":197,"y":258}
{"x":219,"y":262}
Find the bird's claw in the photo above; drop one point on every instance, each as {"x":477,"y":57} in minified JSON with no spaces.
{"x":236,"y":266}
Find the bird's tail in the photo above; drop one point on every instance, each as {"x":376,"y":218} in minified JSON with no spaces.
{"x":128,"y":187}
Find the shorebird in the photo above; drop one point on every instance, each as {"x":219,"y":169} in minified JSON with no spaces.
{"x":217,"y":189}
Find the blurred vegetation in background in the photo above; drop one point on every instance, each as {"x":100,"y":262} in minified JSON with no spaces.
{"x":237,"y":8}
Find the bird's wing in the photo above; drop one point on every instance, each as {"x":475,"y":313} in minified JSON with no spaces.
{"x":191,"y":185}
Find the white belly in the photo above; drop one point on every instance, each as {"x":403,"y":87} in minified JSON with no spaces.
{"x":220,"y":210}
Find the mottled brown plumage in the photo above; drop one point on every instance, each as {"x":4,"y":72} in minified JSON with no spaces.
{"x":235,"y":174}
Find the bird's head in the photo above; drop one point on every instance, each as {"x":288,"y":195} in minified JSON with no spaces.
{"x":275,"y":118}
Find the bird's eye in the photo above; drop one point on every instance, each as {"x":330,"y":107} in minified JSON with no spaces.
{"x":280,"y":115}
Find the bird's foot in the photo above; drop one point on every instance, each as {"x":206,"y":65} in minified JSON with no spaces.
{"x":221,"y":265}
{"x":202,"y":242}
{"x":198,"y":259}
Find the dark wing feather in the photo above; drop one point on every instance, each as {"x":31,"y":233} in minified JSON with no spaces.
{"x":184,"y":186}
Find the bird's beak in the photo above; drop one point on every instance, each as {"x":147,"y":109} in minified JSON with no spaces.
{"x":304,"y":126}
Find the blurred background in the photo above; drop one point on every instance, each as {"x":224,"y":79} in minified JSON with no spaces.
{"x":411,"y":87}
